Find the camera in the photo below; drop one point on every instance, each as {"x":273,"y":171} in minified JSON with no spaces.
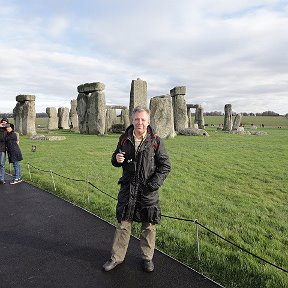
{"x":7,"y":125}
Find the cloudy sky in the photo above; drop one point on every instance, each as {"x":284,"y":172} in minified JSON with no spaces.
{"x":223,"y":51}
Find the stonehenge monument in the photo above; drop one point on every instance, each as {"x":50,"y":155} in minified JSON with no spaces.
{"x":111,"y":117}
{"x":199,"y":117}
{"x":161,"y":116}
{"x":199,"y":121}
{"x":91,"y":108}
{"x":25,"y":115}
{"x":237,"y":121}
{"x":52,"y":118}
{"x":125,"y":117}
{"x":179,"y":107}
{"x":227,"y":118}
{"x":116,"y":123}
{"x":97,"y":118}
{"x":63,"y":118}
{"x":73,"y":117}
{"x":90,"y":115}
{"x":138,"y":94}
{"x":82,"y":100}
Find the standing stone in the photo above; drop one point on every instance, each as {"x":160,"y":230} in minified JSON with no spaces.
{"x":161,"y":116}
{"x":63,"y":118}
{"x":179,"y":107}
{"x":73,"y":117}
{"x":96,"y":108}
{"x":25,"y":114}
{"x":189,"y":115}
{"x":52,"y":118}
{"x":199,"y":117}
{"x":110,"y":118}
{"x":237,"y":121}
{"x":138,"y":94}
{"x":82,"y":101}
{"x":17,"y":115}
{"x":228,"y":117}
{"x":125,"y":118}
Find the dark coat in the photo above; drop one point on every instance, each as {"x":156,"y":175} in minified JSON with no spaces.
{"x":143,"y":174}
{"x":13,"y":150}
{"x":2,"y":139}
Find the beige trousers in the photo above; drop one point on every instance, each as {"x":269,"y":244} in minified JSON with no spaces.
{"x":122,"y":237}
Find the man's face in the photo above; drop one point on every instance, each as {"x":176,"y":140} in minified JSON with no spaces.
{"x":140,"y":122}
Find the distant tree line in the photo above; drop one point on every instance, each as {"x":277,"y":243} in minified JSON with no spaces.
{"x":266,"y":113}
{"x":6,"y":115}
{"x":10,"y":115}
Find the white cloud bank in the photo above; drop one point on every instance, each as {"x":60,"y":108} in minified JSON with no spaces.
{"x":222,"y":51}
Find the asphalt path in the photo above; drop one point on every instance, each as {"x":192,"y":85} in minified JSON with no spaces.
{"x":46,"y":241}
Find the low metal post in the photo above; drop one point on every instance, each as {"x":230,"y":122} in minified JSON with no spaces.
{"x":29,"y":172}
{"x":53,"y":180}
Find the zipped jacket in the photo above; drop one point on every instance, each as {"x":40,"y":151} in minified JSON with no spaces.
{"x":13,"y":150}
{"x":144,"y":171}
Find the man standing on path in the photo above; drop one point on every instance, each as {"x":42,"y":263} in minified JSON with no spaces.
{"x":3,"y":124}
{"x":145,"y":163}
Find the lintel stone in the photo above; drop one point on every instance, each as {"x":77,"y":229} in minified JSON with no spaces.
{"x":178,"y":90}
{"x":195,"y":106}
{"x":91,"y":87}
{"x":23,"y":98}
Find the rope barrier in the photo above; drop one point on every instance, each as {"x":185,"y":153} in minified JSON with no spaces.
{"x":166,"y":216}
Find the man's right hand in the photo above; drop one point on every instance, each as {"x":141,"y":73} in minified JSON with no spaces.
{"x":120,"y":157}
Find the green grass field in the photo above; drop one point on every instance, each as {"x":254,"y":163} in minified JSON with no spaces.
{"x":235,"y":185}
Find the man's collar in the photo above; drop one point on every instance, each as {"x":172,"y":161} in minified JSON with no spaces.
{"x":143,"y":136}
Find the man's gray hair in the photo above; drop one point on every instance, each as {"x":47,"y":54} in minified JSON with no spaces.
{"x":141,"y":109}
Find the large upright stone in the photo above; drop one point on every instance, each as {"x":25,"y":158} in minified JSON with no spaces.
{"x":228,"y":118}
{"x":82,"y":102}
{"x":138,"y":94}
{"x":110,"y":117}
{"x":96,"y":107}
{"x":237,"y":121}
{"x":179,"y":107}
{"x":25,"y":115}
{"x":161,"y":116}
{"x":199,"y":117}
{"x":125,"y":117}
{"x":73,"y":117}
{"x":63,"y":118}
{"x":52,"y":118}
{"x":17,"y":115}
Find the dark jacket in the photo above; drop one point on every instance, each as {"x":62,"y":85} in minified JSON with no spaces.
{"x":2,"y":139}
{"x":143,"y":174}
{"x":13,"y":150}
